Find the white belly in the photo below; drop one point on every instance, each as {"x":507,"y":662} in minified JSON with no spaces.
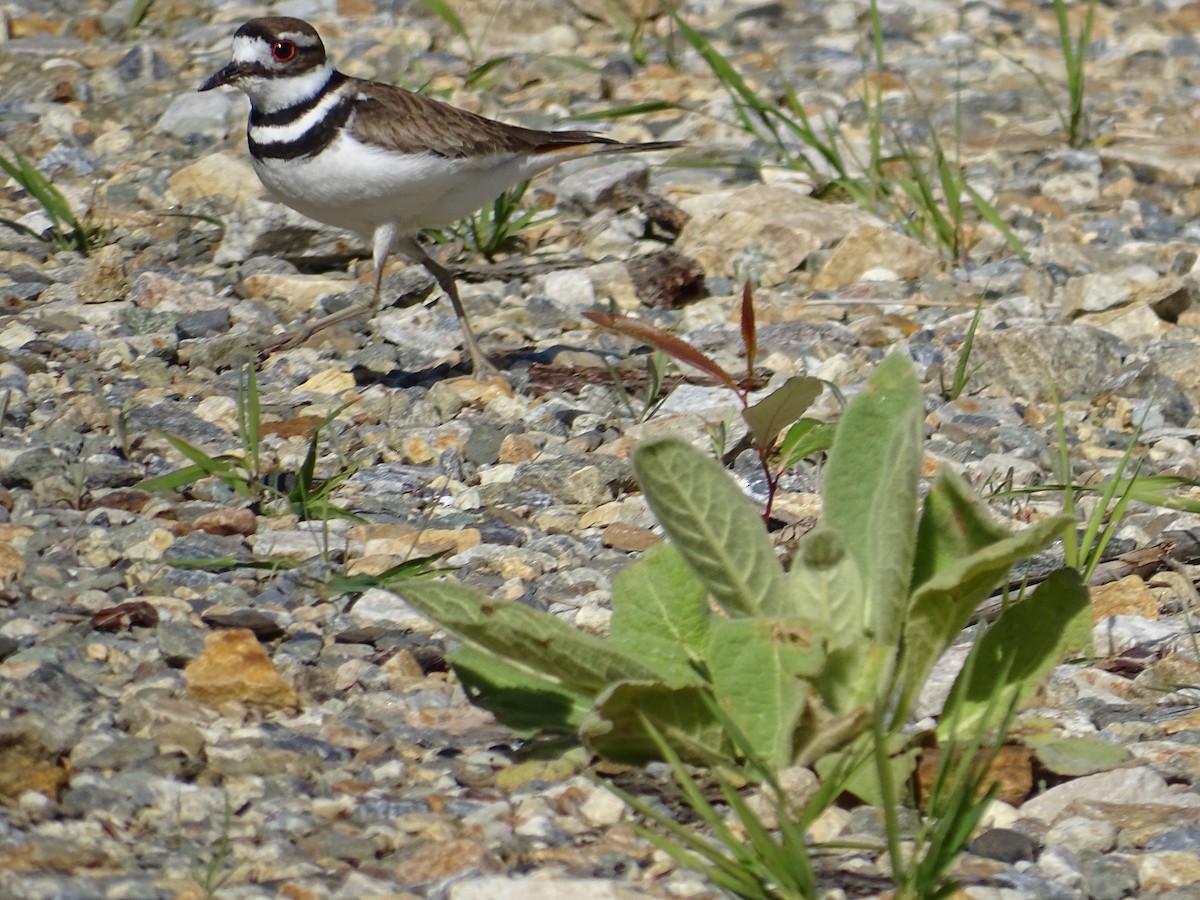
{"x":359,"y":187}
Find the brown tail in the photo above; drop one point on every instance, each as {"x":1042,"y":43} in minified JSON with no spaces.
{"x":595,"y":144}
{"x":641,"y":148}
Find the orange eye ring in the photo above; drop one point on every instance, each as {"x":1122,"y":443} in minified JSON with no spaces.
{"x":283,"y":51}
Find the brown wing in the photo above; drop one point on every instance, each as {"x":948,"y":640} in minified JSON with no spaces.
{"x":415,"y":123}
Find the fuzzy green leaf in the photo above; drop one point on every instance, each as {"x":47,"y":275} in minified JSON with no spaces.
{"x":1076,"y":756}
{"x":758,"y":668}
{"x":870,"y":492}
{"x":1028,"y":640}
{"x":534,"y":642}
{"x":962,"y":557}
{"x":660,"y":614}
{"x":615,"y":729}
{"x":856,"y":768}
{"x":525,"y":700}
{"x":826,"y":588}
{"x":713,"y":525}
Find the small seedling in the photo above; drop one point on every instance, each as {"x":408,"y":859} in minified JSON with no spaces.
{"x":244,"y":472}
{"x":1074,"y":53}
{"x":766,"y":417}
{"x":66,"y":230}
{"x":962,"y":369}
{"x":922,"y":192}
{"x":496,"y":226}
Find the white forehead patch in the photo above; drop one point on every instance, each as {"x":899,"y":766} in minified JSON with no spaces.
{"x":248,"y":49}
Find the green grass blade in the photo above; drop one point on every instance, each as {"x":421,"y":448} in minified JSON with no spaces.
{"x":962,"y":367}
{"x":173,"y":480}
{"x":621,"y":112}
{"x":989,"y":214}
{"x":250,"y":418}
{"x":481,"y":71}
{"x":446,"y":13}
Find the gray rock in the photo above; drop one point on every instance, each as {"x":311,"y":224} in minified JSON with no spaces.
{"x":179,"y":643}
{"x":589,"y":479}
{"x":495,"y":887}
{"x":1186,"y":840}
{"x":32,"y":467}
{"x":1116,"y":634}
{"x":266,"y":228}
{"x":609,"y":185}
{"x":209,"y":115}
{"x":377,"y":606}
{"x":1077,"y":834}
{"x":1003,"y":844}
{"x":122,"y":753}
{"x":203,"y":323}
{"x":1035,"y":363}
{"x":1102,"y":291}
{"x":1109,"y":878}
{"x":483,"y":444}
{"x":143,"y":64}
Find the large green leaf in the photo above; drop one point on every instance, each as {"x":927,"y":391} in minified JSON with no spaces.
{"x":826,"y":587}
{"x":526,"y":701}
{"x":660,"y":614}
{"x":827,"y":590}
{"x":971,"y":557}
{"x":954,"y":524}
{"x":759,"y":669}
{"x":524,"y":639}
{"x":856,"y":766}
{"x":870,"y":492}
{"x":713,"y":525}
{"x":1028,"y":640}
{"x":615,"y":728}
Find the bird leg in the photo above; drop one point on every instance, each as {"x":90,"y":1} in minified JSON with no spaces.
{"x":480,"y":364}
{"x":384,"y":237}
{"x":381,"y":242}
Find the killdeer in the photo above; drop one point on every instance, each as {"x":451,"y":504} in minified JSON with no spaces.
{"x":376,"y":159}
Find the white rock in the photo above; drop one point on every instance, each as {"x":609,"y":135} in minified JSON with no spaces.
{"x":1059,"y":865}
{"x":569,"y":289}
{"x":377,"y":605}
{"x":1140,"y":785}
{"x":16,"y":336}
{"x":1078,"y":833}
{"x":603,"y":807}
{"x":1116,"y":634}
{"x":697,"y":398}
{"x":1072,"y":188}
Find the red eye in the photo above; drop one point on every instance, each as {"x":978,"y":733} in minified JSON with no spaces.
{"x":283,"y":50}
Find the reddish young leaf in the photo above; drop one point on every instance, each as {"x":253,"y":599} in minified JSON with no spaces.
{"x":749,"y":330}
{"x":667,"y":343}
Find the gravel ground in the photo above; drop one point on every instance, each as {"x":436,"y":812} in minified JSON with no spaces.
{"x":241,"y":730}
